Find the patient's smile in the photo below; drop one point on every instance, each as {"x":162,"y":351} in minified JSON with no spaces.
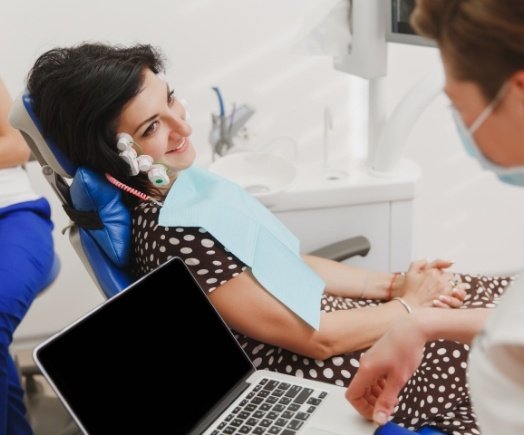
{"x":180,"y":148}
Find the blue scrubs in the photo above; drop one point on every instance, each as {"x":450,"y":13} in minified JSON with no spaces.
{"x":26,"y":259}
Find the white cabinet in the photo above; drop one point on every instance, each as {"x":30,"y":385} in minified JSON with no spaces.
{"x":321,"y":226}
{"x":318,"y":227}
{"x":320,"y":212}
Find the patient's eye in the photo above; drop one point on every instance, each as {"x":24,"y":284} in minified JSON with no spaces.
{"x":151,"y":129}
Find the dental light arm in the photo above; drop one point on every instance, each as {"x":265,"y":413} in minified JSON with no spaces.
{"x":393,"y":136}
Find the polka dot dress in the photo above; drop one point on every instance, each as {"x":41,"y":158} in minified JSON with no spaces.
{"x":437,"y":394}
{"x":211,"y":264}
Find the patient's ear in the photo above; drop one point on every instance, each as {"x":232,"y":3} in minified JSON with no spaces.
{"x":517,"y":87}
{"x":517,"y":79}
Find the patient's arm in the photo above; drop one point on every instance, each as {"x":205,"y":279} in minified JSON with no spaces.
{"x":13,"y":149}
{"x":348,"y":281}
{"x":354,"y":282}
{"x":249,"y":309}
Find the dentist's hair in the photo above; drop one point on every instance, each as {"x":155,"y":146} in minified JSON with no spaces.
{"x":78,"y":94}
{"x":483,"y":40}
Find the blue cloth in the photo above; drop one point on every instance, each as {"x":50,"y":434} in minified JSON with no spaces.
{"x":199,"y":198}
{"x":27,"y":255}
{"x":391,"y":428}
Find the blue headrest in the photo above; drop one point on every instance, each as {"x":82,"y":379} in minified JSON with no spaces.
{"x":89,"y":192}
{"x":51,"y":153}
{"x":105,"y":233}
{"x":92,"y":192}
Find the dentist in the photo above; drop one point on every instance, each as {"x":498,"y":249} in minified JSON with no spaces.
{"x":482,"y":48}
{"x":26,"y":260}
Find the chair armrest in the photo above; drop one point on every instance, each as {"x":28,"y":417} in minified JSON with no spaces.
{"x":344,"y":249}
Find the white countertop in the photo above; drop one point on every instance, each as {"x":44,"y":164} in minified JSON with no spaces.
{"x":313,"y":189}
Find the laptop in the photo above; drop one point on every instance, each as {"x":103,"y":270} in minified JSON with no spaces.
{"x":157,"y":358}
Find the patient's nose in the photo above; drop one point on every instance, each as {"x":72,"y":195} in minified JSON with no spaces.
{"x":179,"y":125}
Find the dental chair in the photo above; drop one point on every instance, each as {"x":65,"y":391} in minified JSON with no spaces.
{"x":100,"y":229}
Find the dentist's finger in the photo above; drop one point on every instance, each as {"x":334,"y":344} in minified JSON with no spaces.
{"x":386,"y":402}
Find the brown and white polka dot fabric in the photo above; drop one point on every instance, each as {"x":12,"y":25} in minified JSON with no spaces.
{"x":437,"y":394}
{"x":211,"y":264}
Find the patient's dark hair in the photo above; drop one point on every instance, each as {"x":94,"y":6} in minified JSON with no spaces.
{"x":79,"y":92}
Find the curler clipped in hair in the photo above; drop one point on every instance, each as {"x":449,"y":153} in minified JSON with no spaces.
{"x":156,"y":173}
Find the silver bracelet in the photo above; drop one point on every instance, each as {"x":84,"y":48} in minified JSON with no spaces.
{"x":404,"y":303}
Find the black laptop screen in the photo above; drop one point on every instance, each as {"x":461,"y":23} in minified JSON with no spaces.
{"x":127,"y":366}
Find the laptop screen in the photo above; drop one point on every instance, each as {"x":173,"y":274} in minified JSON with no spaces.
{"x":160,"y":343}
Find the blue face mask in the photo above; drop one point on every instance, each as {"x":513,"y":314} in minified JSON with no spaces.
{"x":512,"y":175}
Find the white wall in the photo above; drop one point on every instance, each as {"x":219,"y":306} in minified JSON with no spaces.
{"x":244,"y":47}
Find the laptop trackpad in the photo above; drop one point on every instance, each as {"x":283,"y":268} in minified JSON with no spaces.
{"x":318,"y":431}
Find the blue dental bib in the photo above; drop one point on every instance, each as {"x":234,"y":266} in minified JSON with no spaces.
{"x":199,"y":198}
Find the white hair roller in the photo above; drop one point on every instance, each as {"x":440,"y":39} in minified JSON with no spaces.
{"x":124,"y":141}
{"x":145,"y":162}
{"x":158,"y":175}
{"x":129,"y":156}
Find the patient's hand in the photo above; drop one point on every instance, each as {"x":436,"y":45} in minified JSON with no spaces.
{"x":454,"y":298}
{"x":428,"y":284}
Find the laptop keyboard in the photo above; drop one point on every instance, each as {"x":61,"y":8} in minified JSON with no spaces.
{"x":272,"y":407}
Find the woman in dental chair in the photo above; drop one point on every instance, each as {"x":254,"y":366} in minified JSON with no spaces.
{"x":109,"y":108}
{"x":26,"y":259}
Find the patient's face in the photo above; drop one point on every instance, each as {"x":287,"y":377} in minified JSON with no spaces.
{"x":156,"y":120}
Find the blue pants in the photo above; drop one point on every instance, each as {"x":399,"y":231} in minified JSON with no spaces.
{"x":26,"y":259}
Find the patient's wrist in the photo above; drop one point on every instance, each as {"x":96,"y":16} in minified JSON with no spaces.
{"x":398,"y":285}
{"x":456,"y":325}
{"x":377,"y":285}
{"x":419,"y":322}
